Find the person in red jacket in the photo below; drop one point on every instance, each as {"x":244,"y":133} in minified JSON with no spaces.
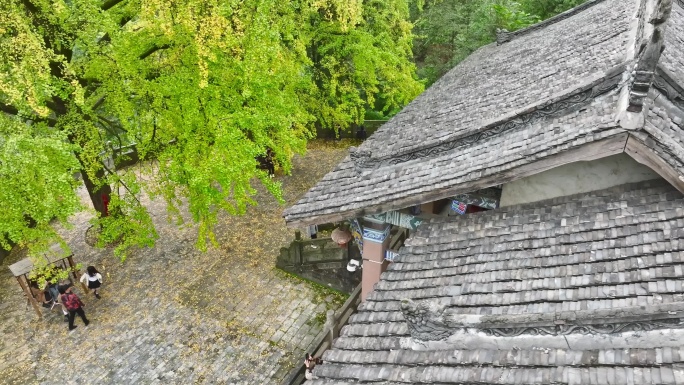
{"x":73,"y":305}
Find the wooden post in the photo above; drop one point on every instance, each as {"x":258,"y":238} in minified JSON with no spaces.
{"x":75,"y":272}
{"x":299,"y":249}
{"x":29,"y":296}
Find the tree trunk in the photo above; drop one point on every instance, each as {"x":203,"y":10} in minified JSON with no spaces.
{"x":99,"y":196}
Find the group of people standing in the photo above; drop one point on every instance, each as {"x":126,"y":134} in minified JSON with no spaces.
{"x":71,"y":303}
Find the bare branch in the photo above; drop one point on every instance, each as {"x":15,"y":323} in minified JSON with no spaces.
{"x":111,"y":124}
{"x":8,"y":109}
{"x":122,"y":183}
{"x":108,"y":127}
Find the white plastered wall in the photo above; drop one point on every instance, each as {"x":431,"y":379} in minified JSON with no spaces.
{"x":575,"y":178}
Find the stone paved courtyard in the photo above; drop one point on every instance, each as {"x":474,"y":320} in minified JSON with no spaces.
{"x":174,"y":315}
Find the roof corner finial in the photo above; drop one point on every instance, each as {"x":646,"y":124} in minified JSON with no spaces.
{"x":662,"y":12}
{"x":503,"y":36}
{"x":649,"y":55}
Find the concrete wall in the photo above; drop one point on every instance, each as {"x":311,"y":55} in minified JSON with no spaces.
{"x":575,"y":178}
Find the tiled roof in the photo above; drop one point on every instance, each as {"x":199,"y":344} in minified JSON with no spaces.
{"x":499,"y":80}
{"x":475,"y":118}
{"x":348,"y":191}
{"x":587,"y":289}
{"x":663,"y":132}
{"x":672,"y":60}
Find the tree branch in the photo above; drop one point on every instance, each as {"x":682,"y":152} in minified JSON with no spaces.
{"x":122,"y":183}
{"x":152,"y":50}
{"x":8,"y":109}
{"x":98,"y":103}
{"x":107,"y":4}
{"x":108,"y":127}
{"x":110,"y":123}
{"x":106,"y":38}
{"x":57,"y":105}
{"x":154,"y":130}
{"x":11,"y":110}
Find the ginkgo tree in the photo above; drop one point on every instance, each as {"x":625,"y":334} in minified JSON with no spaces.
{"x":197,"y":88}
{"x":362,"y":62}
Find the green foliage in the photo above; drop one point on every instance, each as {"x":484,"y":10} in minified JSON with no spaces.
{"x":448,"y":31}
{"x":128,"y":223}
{"x":322,"y":293}
{"x":547,"y":8}
{"x":37,"y":168}
{"x":362,"y":65}
{"x":200,"y":87}
{"x":511,"y":17}
{"x":44,"y":273}
{"x":333,"y":299}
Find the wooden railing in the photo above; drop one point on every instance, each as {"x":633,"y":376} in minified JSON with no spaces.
{"x":323,"y":343}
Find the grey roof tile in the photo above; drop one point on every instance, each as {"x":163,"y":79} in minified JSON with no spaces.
{"x":441,"y":114}
{"x":672,"y":59}
{"x":478,"y":93}
{"x":496,"y":276}
{"x":605,"y":250}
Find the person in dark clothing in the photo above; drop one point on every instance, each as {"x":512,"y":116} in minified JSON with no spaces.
{"x":361,"y":133}
{"x":267,"y":162}
{"x":73,"y":305}
{"x":39,"y":294}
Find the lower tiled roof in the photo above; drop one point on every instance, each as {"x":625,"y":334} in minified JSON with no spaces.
{"x":587,"y":289}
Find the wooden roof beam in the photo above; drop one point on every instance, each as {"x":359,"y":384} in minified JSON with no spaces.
{"x":646,"y":156}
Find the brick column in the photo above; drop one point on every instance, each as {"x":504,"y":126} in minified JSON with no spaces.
{"x":375,"y":242}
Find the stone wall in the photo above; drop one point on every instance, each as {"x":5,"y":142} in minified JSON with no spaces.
{"x":370,"y":126}
{"x":322,"y":261}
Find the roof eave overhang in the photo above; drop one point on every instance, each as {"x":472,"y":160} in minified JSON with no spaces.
{"x":599,"y":149}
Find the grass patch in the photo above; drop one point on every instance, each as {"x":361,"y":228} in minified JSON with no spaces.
{"x":318,"y":320}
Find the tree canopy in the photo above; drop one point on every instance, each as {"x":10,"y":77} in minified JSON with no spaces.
{"x":201,"y":87}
